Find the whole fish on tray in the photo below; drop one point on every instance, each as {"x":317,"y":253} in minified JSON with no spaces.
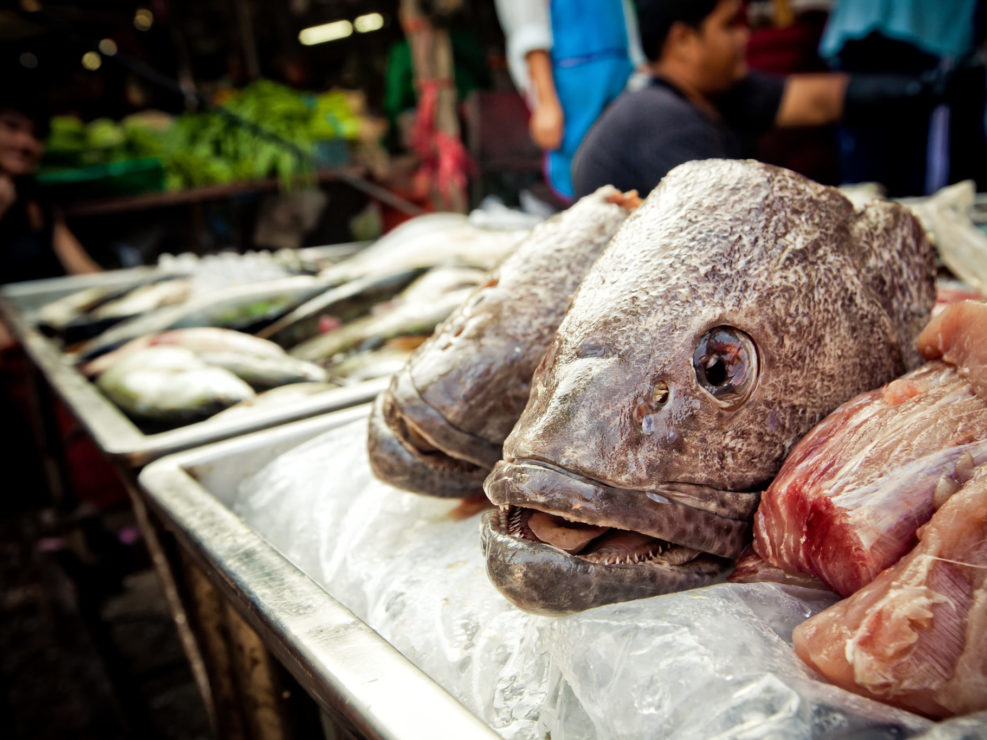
{"x":415,"y":311}
{"x":172,"y":388}
{"x":439,"y":427}
{"x":341,"y":304}
{"x":168,"y":386}
{"x":848,"y":500}
{"x":241,"y":307}
{"x":276,"y":397}
{"x":259,"y":362}
{"x":426,"y":241}
{"x":735,"y":308}
{"x":403,"y":319}
{"x":86,"y":313}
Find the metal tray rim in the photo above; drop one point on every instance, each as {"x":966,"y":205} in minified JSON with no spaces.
{"x":339,"y":659}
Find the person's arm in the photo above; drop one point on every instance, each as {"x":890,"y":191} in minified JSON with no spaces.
{"x":812,"y":99}
{"x":8,"y":194}
{"x":70,"y":252}
{"x":547,"y":119}
{"x":528,"y":32}
{"x":816,"y":99}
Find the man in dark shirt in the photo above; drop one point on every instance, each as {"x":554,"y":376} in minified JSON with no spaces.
{"x":701,"y":102}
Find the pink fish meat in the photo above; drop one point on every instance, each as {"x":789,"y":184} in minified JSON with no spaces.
{"x":916,"y":636}
{"x":851,"y":495}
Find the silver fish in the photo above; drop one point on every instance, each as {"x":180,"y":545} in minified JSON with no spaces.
{"x":344,"y":303}
{"x":236,"y":307}
{"x":281,"y":397}
{"x":405,"y":318}
{"x":145,"y":298}
{"x":438,"y":429}
{"x":426,"y":241}
{"x":379,"y":363}
{"x":737,"y":306}
{"x":199,"y":340}
{"x":170,"y":386}
{"x":263,"y":373}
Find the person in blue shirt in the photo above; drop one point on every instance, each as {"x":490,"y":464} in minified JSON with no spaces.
{"x":570,"y":59}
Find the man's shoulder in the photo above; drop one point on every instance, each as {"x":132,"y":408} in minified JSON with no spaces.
{"x":653,"y":99}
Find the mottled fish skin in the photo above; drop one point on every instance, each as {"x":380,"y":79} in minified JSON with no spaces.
{"x":831,"y":299}
{"x":439,"y":427}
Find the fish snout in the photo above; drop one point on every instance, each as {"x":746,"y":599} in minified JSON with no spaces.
{"x":683,"y":515}
{"x":403,"y":457}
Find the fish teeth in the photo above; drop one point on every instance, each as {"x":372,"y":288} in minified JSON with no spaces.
{"x":513,"y":517}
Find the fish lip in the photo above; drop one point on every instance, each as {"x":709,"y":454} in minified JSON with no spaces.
{"x":396,"y":461}
{"x":454,"y":442}
{"x":542,"y":579}
{"x":698,"y":517}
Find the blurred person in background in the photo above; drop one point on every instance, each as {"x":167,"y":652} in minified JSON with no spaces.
{"x":35,"y":243}
{"x":702,"y":102}
{"x":569,"y":60}
{"x":918,"y":154}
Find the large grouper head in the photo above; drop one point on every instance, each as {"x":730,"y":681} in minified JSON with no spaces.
{"x":734,"y":309}
{"x":439,"y":427}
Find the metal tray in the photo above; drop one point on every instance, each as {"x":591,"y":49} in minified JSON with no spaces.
{"x":341,"y":662}
{"x":115,"y":434}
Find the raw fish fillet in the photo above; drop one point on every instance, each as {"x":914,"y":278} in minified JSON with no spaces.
{"x":916,"y":636}
{"x":958,"y":335}
{"x":850,"y":496}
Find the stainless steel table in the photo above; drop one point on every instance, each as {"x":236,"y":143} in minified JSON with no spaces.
{"x":350,"y":670}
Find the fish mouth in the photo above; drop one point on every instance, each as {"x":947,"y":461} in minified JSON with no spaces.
{"x":561,"y":542}
{"x":410,"y":446}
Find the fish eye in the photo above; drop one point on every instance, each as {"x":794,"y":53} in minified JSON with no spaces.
{"x":726,"y":365}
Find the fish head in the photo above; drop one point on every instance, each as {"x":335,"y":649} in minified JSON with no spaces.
{"x":440,"y":426}
{"x":725,"y":319}
{"x":449,"y":397}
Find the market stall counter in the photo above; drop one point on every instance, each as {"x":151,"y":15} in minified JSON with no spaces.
{"x":351,"y":314}
{"x":351,"y":582}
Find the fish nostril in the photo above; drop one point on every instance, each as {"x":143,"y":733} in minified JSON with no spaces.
{"x":646,"y":409}
{"x":660,"y":394}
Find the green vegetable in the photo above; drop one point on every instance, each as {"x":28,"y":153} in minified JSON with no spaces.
{"x":211,"y":148}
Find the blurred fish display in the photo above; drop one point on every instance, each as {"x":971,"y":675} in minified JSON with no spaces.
{"x":428,"y":241}
{"x":284,"y":395}
{"x":169,"y":386}
{"x":85,"y":314}
{"x":242,"y":307}
{"x":414,"y":312}
{"x":350,"y":322}
{"x":126,"y":373}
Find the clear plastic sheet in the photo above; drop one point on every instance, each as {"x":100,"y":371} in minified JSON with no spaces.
{"x":712,"y":662}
